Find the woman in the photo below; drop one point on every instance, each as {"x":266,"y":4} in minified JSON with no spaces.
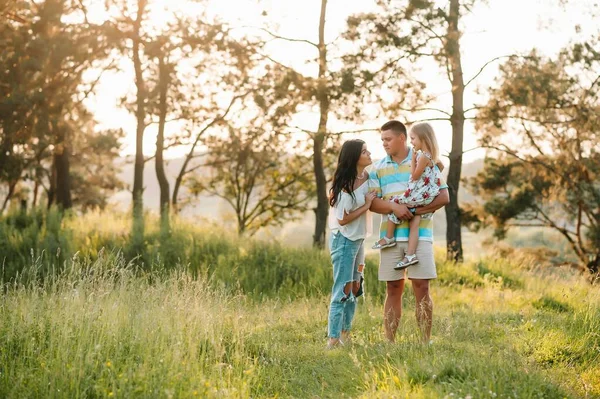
{"x":350,"y":199}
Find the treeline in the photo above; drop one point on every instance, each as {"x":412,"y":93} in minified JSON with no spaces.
{"x":215,"y":89}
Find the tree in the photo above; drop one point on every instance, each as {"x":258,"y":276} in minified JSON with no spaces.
{"x":322,"y":96}
{"x":128,"y":31}
{"x":248,"y":171}
{"x":43,"y":92}
{"x":331,"y":91}
{"x":393,"y":39}
{"x":94,"y":170}
{"x":163,"y":79}
{"x":18,"y":102}
{"x":209,"y":72}
{"x":161,"y":50}
{"x":251,"y":166}
{"x":542,"y":122}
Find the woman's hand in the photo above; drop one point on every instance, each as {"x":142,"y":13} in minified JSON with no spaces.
{"x":369,"y":197}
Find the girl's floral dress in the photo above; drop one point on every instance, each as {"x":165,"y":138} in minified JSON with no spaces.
{"x":422,"y":191}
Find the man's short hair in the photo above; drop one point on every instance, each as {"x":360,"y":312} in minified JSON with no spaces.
{"x":395,"y":126}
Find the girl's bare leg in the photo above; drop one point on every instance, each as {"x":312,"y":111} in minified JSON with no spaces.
{"x":413,"y":236}
{"x":389,"y":233}
{"x":391,"y":228}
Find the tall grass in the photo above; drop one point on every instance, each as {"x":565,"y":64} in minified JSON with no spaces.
{"x":260,"y":269}
{"x":106,"y":329}
{"x":103,"y":330}
{"x":220,"y":317}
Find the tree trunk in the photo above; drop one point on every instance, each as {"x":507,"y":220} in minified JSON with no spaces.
{"x":594,"y":264}
{"x":160,"y":143}
{"x":453,"y":216}
{"x":52,"y":185}
{"x":138,"y":173}
{"x":11,"y":192}
{"x":241,"y":230}
{"x":322,"y":208}
{"x":36,"y":192}
{"x":63,"y":179}
{"x":62,"y":168}
{"x":179,"y":179}
{"x":178,"y":182}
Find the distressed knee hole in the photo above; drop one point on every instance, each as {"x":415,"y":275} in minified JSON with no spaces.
{"x":346,"y":291}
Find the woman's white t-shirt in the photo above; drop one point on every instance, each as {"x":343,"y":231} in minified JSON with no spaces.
{"x":357,"y":229}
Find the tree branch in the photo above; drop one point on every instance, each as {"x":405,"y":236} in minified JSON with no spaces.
{"x":425,"y":109}
{"x":427,"y":119}
{"x":427,"y":27}
{"x":166,"y":121}
{"x":485,"y":65}
{"x":268,"y":57}
{"x":566,"y":233}
{"x":289,"y":39}
{"x":96,"y":81}
{"x":353,"y":131}
{"x":527,"y":225}
{"x":529,"y":134}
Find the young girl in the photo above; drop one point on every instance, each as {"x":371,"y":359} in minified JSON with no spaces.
{"x":423,"y":187}
{"x":350,"y":200}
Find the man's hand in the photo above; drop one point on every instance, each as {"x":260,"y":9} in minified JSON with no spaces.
{"x":401,"y":211}
{"x":438,"y":202}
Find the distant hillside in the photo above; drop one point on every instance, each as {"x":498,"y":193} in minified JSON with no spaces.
{"x":202,"y":206}
{"x":213,"y":208}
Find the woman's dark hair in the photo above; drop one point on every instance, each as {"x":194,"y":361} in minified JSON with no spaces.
{"x":345,"y":171}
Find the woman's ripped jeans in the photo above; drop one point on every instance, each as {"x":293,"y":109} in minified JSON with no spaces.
{"x":347,"y":258}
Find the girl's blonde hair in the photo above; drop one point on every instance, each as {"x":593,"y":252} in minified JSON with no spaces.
{"x":425,"y":133}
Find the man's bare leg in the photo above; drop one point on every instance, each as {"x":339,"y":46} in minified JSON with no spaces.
{"x":392,"y":308}
{"x":424,"y":308}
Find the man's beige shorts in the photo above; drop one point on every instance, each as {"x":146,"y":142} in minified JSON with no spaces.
{"x":389,"y":257}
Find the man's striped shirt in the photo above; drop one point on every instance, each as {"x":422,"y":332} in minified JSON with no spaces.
{"x":388,"y":179}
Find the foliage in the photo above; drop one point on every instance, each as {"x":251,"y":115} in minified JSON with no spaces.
{"x":394,"y":41}
{"x":542,"y":119}
{"x":42,"y":116}
{"x":253,"y":168}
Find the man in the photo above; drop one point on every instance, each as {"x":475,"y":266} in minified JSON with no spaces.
{"x":390,"y":177}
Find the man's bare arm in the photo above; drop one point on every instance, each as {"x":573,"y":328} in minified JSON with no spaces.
{"x":380,"y":206}
{"x":440,"y":201}
{"x":387,"y":207}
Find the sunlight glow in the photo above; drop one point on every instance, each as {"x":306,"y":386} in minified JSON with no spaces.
{"x":492,"y":30}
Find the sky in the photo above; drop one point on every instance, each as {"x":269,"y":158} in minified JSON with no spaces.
{"x":494,"y":28}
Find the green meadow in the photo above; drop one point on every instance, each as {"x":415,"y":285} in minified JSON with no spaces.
{"x":203,"y":314}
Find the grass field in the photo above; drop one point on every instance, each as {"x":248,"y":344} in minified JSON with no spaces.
{"x":248,"y":319}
